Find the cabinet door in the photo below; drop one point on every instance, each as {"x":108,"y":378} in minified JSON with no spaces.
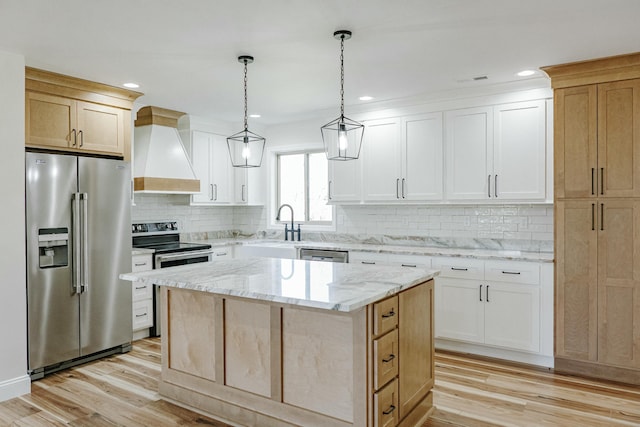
{"x":100,"y":128}
{"x":422,"y":157}
{"x":619,"y":283}
{"x":240,"y":190}
{"x":381,"y":162}
{"x":576,"y":304}
{"x":50,"y":121}
{"x":345,"y":181}
{"x":512,"y":316}
{"x":415,"y":334}
{"x":221,"y":169}
{"x":200,"y":155}
{"x":619,"y":139}
{"x":575,"y":144}
{"x":468,"y":148}
{"x":519,"y":152}
{"x":459,"y":310}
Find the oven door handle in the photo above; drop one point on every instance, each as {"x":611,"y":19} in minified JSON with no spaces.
{"x":183,"y":255}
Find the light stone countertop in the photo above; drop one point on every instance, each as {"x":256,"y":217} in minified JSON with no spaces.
{"x":141,"y":251}
{"x":510,"y":255}
{"x":316,"y":284}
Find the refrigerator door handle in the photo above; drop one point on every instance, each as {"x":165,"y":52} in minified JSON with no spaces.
{"x":85,"y":243}
{"x":76,"y":248}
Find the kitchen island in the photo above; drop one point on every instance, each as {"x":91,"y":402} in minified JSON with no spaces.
{"x":281,"y":342}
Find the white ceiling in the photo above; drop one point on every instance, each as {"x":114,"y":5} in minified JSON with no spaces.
{"x":183,"y":53}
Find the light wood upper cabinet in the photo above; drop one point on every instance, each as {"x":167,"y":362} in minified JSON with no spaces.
{"x":69,"y":114}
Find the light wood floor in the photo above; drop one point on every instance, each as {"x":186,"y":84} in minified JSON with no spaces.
{"x":121,"y":391}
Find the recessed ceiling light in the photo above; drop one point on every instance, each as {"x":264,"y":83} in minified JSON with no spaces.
{"x":366,"y":98}
{"x":526,"y":73}
{"x":131,"y":85}
{"x":254,"y":116}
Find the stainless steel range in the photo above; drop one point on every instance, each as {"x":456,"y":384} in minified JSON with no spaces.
{"x":163,"y":237}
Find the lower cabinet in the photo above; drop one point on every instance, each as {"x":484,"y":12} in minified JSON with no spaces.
{"x":499,"y":305}
{"x":142,"y":298}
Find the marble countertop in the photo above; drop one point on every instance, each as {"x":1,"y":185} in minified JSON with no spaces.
{"x":510,"y":255}
{"x":323,"y":285}
{"x":141,"y":251}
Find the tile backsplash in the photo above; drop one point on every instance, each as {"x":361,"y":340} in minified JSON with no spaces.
{"x":515,"y":227}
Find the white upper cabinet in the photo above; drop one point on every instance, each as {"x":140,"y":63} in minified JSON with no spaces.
{"x":422,"y":157}
{"x":381,"y":160}
{"x":345,"y":181}
{"x":469,"y":144}
{"x":211,"y":163}
{"x":519,"y":151}
{"x":402,"y":159}
{"x":497,"y":153}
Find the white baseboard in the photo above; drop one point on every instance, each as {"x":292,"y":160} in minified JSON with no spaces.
{"x":498,"y":353}
{"x":15,"y":387}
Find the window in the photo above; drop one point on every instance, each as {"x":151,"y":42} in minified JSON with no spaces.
{"x":302,"y":183}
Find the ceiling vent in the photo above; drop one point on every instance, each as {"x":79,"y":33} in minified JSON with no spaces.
{"x":161,"y":163}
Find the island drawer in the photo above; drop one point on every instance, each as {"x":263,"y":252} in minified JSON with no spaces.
{"x":385,"y":406}
{"x":385,"y":356}
{"x":385,"y":315}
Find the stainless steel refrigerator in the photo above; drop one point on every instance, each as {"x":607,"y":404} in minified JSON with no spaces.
{"x":78,"y":219}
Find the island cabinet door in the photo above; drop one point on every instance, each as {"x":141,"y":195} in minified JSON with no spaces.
{"x":415,"y":332}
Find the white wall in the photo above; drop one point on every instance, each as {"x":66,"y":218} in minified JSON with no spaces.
{"x":14,"y":380}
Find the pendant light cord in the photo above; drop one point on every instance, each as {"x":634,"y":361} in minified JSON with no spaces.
{"x":342,"y":76}
{"x":245,"y":96}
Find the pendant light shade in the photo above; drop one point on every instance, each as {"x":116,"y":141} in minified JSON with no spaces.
{"x":342,"y":137}
{"x":245,"y":147}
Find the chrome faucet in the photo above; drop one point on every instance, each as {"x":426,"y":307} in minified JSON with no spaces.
{"x":286,"y":229}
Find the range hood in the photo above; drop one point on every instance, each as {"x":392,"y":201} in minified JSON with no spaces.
{"x":161,"y":163}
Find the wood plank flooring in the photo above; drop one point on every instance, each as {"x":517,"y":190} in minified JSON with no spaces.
{"x":121,"y":391}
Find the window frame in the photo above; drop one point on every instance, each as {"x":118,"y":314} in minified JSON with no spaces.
{"x":278,"y":201}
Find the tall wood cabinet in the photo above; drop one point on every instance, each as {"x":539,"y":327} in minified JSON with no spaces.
{"x":597,"y":211}
{"x":68,"y":114}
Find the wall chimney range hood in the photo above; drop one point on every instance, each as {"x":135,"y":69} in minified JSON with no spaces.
{"x":161,"y":163}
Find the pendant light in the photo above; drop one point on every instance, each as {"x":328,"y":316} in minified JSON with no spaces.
{"x":342,"y":137}
{"x":245,"y":147}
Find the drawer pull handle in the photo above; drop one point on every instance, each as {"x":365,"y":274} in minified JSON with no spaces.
{"x":367,"y":262}
{"x":141,"y":315}
{"x":140,"y":264}
{"x":389,"y":358}
{"x":390,"y":410}
{"x":141,"y":287}
{"x":389,"y":314}
{"x":221,"y":254}
{"x":409,"y":265}
{"x":459,"y":269}
{"x":510,"y":272}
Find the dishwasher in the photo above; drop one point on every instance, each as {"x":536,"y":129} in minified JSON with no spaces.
{"x":323,"y":255}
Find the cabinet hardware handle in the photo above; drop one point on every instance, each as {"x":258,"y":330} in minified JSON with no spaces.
{"x":397,"y":191}
{"x":75,"y":137}
{"x":330,"y":190}
{"x":602,"y":181}
{"x":215,"y":198}
{"x":510,"y":272}
{"x":140,"y":264}
{"x":141,"y":315}
{"x":481,"y":292}
{"x":403,"y":188}
{"x":242,"y":193}
{"x":495,"y":186}
{"x":390,"y":410}
{"x":593,"y":216}
{"x":389,"y":358}
{"x":489,"y":186}
{"x":459,"y":269}
{"x":487,"y":293}
{"x":593,"y":189}
{"x":409,"y":265}
{"x":221,"y":254}
{"x":211,"y":193}
{"x":389,"y":314}
{"x":601,"y":216}
{"x":141,"y":287}
{"x":81,"y":138}
{"x":368,"y":262}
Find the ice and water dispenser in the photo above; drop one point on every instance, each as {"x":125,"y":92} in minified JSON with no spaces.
{"x":53,"y":247}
